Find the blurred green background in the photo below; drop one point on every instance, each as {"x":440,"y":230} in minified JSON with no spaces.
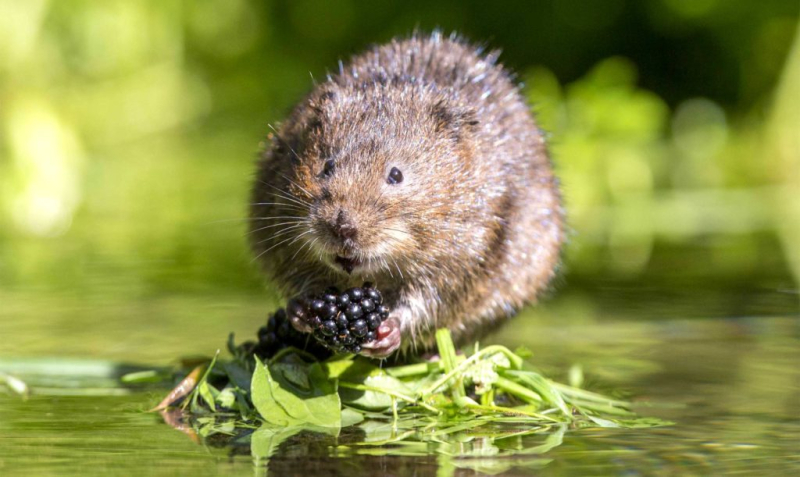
{"x":128,"y":132}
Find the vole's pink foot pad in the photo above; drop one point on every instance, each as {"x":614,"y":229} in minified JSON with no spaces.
{"x":388,"y":341}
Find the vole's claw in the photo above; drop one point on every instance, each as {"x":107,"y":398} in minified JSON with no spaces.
{"x":389,"y":338}
{"x":296,"y":310}
{"x":300,"y":324}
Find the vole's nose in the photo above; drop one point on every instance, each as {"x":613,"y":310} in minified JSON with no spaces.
{"x":344,"y":227}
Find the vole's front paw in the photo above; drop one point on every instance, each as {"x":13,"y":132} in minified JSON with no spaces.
{"x":388,"y":341}
{"x":296,"y":310}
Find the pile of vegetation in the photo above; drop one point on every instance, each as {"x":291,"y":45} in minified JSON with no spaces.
{"x":492,"y":390}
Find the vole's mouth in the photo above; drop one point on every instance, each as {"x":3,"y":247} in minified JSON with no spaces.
{"x":348,"y":264}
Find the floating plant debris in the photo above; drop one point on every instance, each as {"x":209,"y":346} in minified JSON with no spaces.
{"x":492,"y":390}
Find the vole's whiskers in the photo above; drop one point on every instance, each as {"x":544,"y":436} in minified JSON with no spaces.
{"x":279,"y":138}
{"x":282,"y":232}
{"x":319,"y":250}
{"x":281,"y":217}
{"x":292,"y":238}
{"x":294,"y":200}
{"x":387,"y":267}
{"x":313,"y":243}
{"x":285,"y":195}
{"x":298,"y":238}
{"x":221,"y":221}
{"x":400,"y":272}
{"x":270,"y":248}
{"x":280,"y":204}
{"x":292,"y":222}
{"x":296,"y":184}
{"x":306,"y":244}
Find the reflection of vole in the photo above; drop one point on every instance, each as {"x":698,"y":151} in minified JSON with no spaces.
{"x":420,"y":168}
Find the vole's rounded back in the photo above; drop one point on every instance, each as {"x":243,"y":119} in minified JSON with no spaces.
{"x":419,"y":167}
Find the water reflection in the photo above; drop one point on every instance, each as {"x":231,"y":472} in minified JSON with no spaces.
{"x":729,"y":384}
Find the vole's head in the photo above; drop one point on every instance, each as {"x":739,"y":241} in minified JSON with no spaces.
{"x":383,"y":174}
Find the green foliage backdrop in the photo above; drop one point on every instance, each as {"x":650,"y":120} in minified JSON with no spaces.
{"x":128,"y":131}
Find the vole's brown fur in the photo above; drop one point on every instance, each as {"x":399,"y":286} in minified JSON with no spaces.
{"x":471,"y":234}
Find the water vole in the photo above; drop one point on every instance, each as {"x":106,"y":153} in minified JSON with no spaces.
{"x":419,"y":167}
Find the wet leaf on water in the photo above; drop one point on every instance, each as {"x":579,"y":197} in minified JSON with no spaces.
{"x":351,"y":417}
{"x":377,"y":392}
{"x":266,"y":440}
{"x":142,"y":377}
{"x":641,"y":422}
{"x":385,"y":432}
{"x":553,"y":440}
{"x":282,"y":402}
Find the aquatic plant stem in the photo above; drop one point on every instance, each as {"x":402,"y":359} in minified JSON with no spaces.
{"x":515,"y":360}
{"x":418,"y":369}
{"x":520,"y":391}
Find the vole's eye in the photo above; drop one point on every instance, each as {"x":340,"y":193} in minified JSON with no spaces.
{"x":395,"y":176}
{"x":328,"y":168}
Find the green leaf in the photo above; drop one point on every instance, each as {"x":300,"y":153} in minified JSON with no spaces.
{"x":553,"y":440}
{"x":351,"y":417}
{"x":383,"y":432}
{"x":209,"y":394}
{"x":226,"y":398}
{"x":194,"y":405}
{"x":369,"y":396}
{"x":287,"y":394}
{"x":338,"y":366}
{"x":542,"y":387}
{"x":238,"y":375}
{"x":140,"y":377}
{"x":266,"y":440}
{"x":636,"y":423}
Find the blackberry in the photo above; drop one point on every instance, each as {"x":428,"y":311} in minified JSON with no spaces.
{"x":359,"y":328}
{"x":367,"y":305}
{"x":340,"y":321}
{"x":343,"y":321}
{"x":330,"y":294}
{"x":278,"y":334}
{"x":330,"y":311}
{"x":317,"y":306}
{"x":353,"y":311}
{"x":373,"y":321}
{"x":355,"y":294}
{"x":374,"y":295}
{"x":383,"y":311}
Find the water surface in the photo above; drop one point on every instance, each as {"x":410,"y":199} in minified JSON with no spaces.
{"x":730,"y":384}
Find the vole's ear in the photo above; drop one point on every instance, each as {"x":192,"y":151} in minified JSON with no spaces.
{"x":453,"y":120}
{"x":321,"y":98}
{"x":309,"y":123}
{"x":317,"y":104}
